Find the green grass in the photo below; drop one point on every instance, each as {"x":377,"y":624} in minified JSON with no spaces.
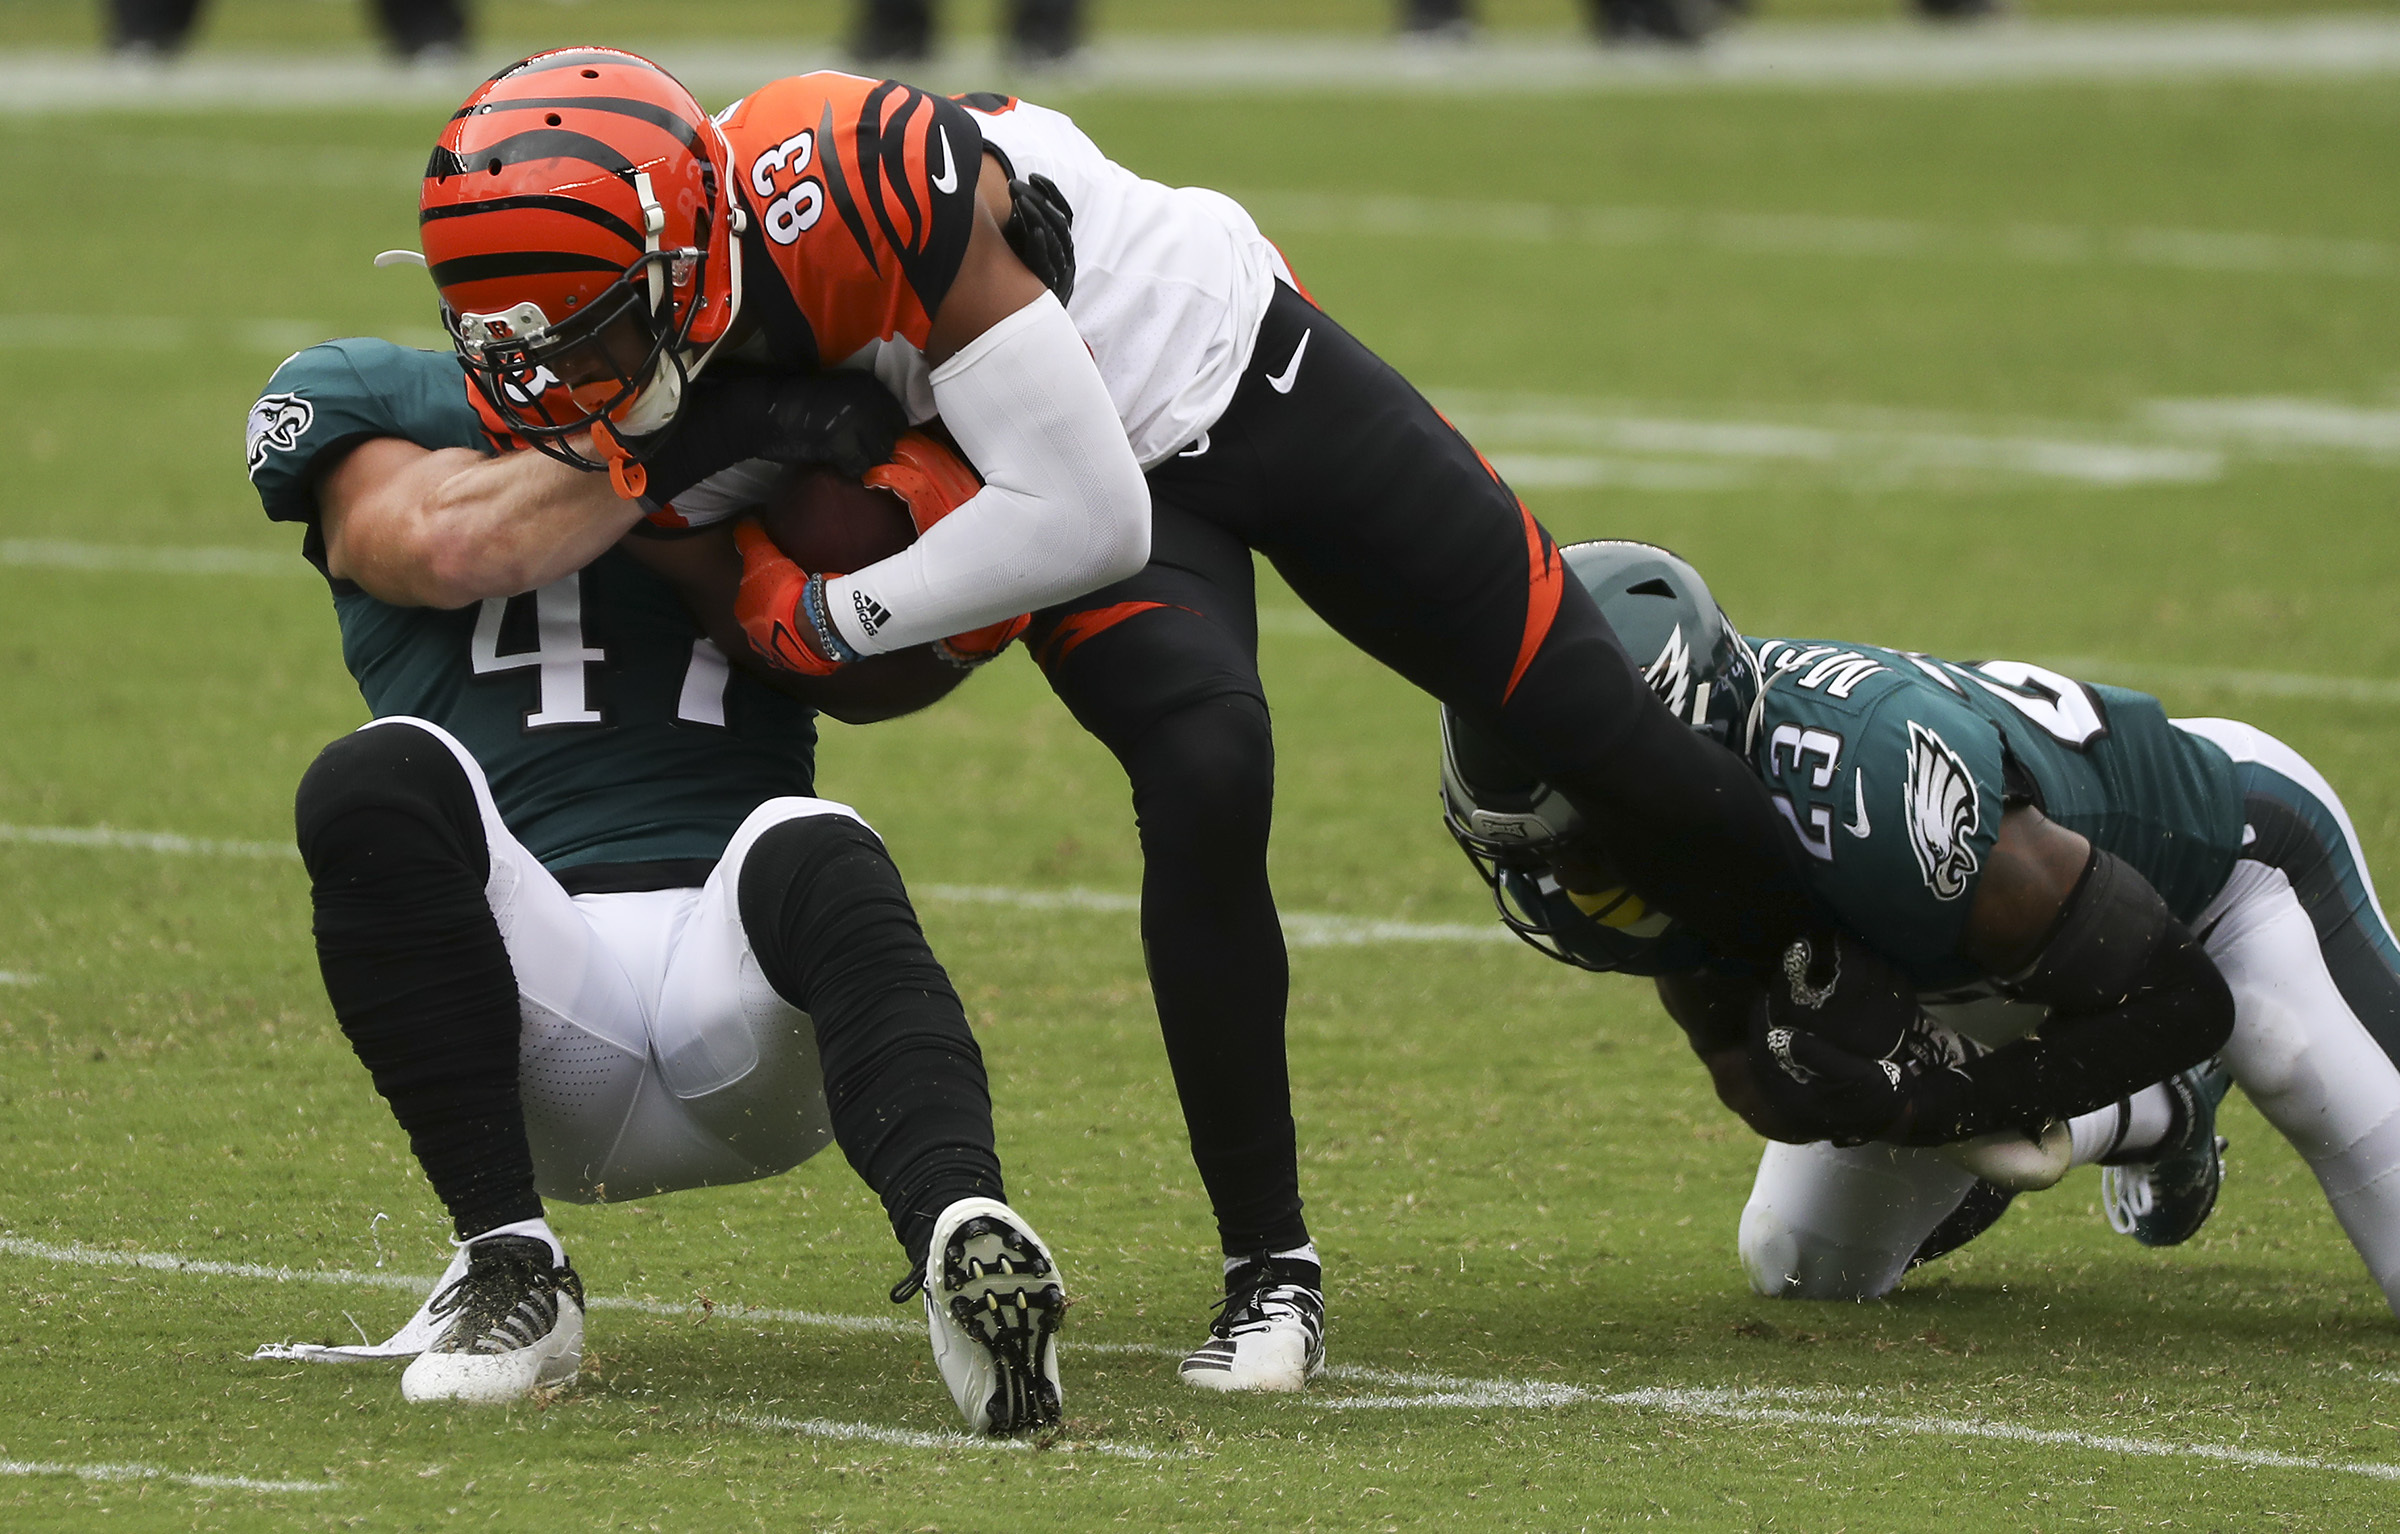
{"x":1514,"y":1170}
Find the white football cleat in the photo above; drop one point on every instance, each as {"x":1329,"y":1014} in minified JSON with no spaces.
{"x":1270,"y":1332}
{"x":518,"y":1325}
{"x":993,"y":1302}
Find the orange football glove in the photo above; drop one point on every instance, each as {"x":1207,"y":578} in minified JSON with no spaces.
{"x":933,"y":480}
{"x":974,"y":647}
{"x":781,"y":607}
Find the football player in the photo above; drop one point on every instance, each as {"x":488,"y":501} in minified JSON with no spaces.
{"x":1150,"y":397}
{"x":2090,"y":895}
{"x":579,"y":911}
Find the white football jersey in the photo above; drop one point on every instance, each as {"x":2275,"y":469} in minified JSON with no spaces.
{"x":1170,"y":282}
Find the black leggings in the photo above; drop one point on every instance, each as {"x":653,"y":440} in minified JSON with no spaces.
{"x":421,"y":983}
{"x":1386,"y":522}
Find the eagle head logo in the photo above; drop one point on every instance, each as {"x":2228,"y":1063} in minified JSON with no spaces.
{"x":1943,"y":813}
{"x":277,"y":423}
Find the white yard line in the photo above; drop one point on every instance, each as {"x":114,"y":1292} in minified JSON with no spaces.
{"x":1786,"y":56}
{"x":1614,"y":226}
{"x":31,"y":1467}
{"x":1302,"y":929}
{"x":110,"y":839}
{"x":1401,"y":1390}
{"x":148,"y":559}
{"x":18,"y":977}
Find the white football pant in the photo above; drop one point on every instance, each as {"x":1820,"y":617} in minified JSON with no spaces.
{"x":1828,"y":1223}
{"x":654,"y":1055}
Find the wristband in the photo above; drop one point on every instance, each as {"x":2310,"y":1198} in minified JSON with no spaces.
{"x":829,"y":643}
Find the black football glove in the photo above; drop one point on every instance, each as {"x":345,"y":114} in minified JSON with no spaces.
{"x":1837,"y":987}
{"x":1912,"y":1094}
{"x":843,"y":419}
{"x":1041,"y":230}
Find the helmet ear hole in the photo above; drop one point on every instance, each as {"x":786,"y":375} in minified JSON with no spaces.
{"x":553,"y":119}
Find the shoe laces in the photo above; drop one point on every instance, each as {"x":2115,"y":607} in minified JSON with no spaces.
{"x":1263,"y":1290}
{"x":507,"y":1298}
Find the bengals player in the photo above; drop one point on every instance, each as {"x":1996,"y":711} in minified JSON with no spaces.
{"x":1160,"y":400}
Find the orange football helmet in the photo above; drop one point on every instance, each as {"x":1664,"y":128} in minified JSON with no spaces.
{"x":577,"y":217}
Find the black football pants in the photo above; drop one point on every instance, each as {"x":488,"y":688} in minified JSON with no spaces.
{"x":1389,"y":524}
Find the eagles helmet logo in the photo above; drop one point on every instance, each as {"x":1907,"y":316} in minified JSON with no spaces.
{"x":277,"y":423}
{"x":1670,"y":676}
{"x":1943,"y":810}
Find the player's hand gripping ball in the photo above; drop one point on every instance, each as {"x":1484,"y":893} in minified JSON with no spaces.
{"x":823,"y":525}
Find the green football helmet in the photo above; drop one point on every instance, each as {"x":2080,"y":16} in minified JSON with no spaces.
{"x":1514,"y":827}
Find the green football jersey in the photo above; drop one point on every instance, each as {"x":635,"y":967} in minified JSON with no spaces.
{"x":610,"y":729}
{"x":1894,"y":769}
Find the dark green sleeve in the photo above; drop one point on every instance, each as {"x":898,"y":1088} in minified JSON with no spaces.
{"x":329,"y":398}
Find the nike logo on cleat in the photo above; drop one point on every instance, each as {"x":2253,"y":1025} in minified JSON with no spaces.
{"x":1281,"y":382}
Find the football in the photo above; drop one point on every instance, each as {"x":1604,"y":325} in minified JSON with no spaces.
{"x":833,"y":525}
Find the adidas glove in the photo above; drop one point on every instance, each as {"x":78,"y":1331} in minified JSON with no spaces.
{"x":781,"y":608}
{"x":1040,"y":229}
{"x":935,"y":482}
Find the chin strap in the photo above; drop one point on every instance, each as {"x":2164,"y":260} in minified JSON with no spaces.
{"x":629,"y":479}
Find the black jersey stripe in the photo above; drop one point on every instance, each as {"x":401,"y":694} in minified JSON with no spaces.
{"x":883,"y":162}
{"x":573,"y":207}
{"x":534,"y":144}
{"x":623,"y":106}
{"x":829,"y":156}
{"x":519,"y":263}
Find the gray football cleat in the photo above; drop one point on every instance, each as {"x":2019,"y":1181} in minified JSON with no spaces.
{"x":993,"y":1303}
{"x":1270,"y":1329}
{"x":516,"y":1325}
{"x":2164,"y":1201}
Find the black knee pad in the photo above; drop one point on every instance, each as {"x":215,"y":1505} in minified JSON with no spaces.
{"x":391,"y":775}
{"x":805,"y":885}
{"x":1206,"y":773}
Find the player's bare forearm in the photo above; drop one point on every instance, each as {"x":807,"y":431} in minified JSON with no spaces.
{"x":420,"y":528}
{"x":2033,"y":869}
{"x":1714,"y":1012}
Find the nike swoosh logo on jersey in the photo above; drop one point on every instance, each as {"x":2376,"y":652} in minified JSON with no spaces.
{"x":1196,"y":449}
{"x":947,"y":181}
{"x":1281,"y":382}
{"x":1858,"y":825}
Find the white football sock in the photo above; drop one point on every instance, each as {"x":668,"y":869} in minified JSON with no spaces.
{"x":2125,"y":1130}
{"x":537,"y":1227}
{"x":1307,"y":1253}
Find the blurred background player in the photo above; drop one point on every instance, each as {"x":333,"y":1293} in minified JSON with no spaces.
{"x":581,"y":916}
{"x":1658,"y":21}
{"x":2091,"y":895}
{"x":901,"y":31}
{"x":416,"y":31}
{"x":1613,"y":21}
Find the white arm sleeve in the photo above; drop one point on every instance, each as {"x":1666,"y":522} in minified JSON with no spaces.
{"x":1063,"y":510}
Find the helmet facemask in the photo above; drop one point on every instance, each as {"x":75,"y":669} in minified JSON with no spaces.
{"x":618,"y":364}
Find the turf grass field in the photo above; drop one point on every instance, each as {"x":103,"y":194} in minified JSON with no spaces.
{"x":2097,"y":376}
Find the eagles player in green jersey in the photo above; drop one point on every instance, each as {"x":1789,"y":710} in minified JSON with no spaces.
{"x":580,"y":913}
{"x":2090,"y":899}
